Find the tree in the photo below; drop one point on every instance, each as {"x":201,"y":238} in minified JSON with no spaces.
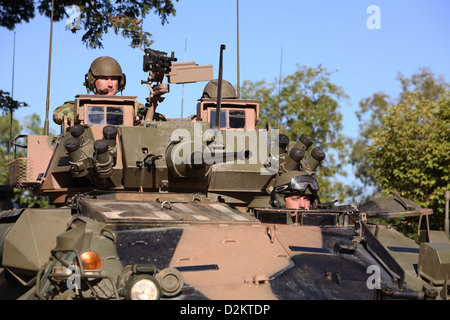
{"x":372,"y":109}
{"x":8,"y":104}
{"x":96,"y":16}
{"x":411,"y":153}
{"x":5,"y":133}
{"x":307,"y":102}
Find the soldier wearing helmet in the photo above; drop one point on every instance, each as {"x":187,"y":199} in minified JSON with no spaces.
{"x":210,"y":90}
{"x":295,"y":190}
{"x":104,"y":77}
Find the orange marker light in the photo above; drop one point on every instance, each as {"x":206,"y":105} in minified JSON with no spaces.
{"x":91,"y":260}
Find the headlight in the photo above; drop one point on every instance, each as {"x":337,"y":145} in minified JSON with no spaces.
{"x":142,"y":287}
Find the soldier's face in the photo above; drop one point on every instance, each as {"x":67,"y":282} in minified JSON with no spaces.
{"x":297,"y":201}
{"x":107,"y":85}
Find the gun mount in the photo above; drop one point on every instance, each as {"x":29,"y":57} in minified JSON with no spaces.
{"x":157,"y":64}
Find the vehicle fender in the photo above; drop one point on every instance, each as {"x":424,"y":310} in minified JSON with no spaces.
{"x":28,"y":243}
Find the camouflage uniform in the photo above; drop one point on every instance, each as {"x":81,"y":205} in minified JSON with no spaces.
{"x":142,"y":110}
{"x":67,"y":109}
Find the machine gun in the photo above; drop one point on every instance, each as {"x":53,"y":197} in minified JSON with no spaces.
{"x":157,"y":64}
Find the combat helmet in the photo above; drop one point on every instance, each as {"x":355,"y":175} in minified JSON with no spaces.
{"x":104,"y":67}
{"x":210,"y":90}
{"x":291,"y":183}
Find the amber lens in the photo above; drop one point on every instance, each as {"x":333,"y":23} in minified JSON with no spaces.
{"x":91,"y":260}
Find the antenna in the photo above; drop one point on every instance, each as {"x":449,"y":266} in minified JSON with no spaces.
{"x":182,"y":88}
{"x":219,"y":87}
{"x":47,"y":103}
{"x":14,"y":59}
{"x":237,"y":40}
{"x":279,"y":91}
{"x":12,"y":91}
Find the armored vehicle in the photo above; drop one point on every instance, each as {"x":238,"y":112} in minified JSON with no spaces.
{"x":152,"y":208}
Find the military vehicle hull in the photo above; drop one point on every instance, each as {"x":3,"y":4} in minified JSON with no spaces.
{"x":206,"y":250}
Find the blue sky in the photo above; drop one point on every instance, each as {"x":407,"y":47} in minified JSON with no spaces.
{"x":412,"y":34}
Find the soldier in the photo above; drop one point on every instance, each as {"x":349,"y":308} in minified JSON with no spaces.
{"x":295,"y":190}
{"x":104,"y":77}
{"x":297,"y":201}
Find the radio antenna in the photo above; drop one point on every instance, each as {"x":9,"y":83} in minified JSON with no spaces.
{"x":47,"y":103}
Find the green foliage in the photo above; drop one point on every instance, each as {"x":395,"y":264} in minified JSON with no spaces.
{"x":411,"y":154}
{"x":375,"y":107}
{"x":307,"y":102}
{"x":8,"y":126}
{"x":403,"y":145}
{"x":4,"y":161}
{"x":8,"y":104}
{"x":96,"y":17}
{"x":14,"y":12}
{"x":426,"y":83}
{"x":372,"y":110}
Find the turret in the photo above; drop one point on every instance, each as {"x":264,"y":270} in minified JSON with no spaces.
{"x":111,"y":143}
